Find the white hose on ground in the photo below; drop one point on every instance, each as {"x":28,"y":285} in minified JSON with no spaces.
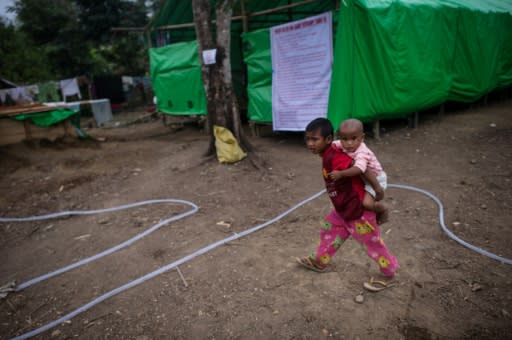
{"x":105,"y":252}
{"x":189,"y":257}
{"x":445,"y":229}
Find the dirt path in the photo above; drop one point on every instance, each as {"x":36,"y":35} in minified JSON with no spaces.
{"x":251,"y":288}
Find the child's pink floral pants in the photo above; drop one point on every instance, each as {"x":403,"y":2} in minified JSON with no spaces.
{"x":365,"y":230}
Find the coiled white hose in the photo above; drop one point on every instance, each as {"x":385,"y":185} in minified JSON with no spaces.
{"x":189,"y":257}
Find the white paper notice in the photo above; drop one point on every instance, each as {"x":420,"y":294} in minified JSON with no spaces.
{"x":209,"y":56}
{"x":301,"y":71}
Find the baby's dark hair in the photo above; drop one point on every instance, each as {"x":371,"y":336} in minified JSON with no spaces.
{"x":323,"y":124}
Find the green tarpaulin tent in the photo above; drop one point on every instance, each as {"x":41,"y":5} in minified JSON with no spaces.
{"x":391,"y":57}
{"x":397,"y":57}
{"x":176,"y":79}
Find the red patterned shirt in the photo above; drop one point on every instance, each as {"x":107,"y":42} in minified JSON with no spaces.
{"x":346,"y":194}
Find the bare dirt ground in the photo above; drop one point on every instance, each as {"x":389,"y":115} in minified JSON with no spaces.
{"x":251,"y":288}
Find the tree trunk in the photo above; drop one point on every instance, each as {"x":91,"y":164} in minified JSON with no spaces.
{"x":222,"y":104}
{"x":201,"y":10}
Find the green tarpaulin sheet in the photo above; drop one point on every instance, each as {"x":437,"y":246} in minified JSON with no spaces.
{"x":396,"y":57}
{"x":259,"y":75}
{"x":176,"y":79}
{"x":47,"y":118}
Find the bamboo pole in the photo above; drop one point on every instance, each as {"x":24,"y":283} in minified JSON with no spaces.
{"x":176,"y":26}
{"x":129,"y":29}
{"x":245,"y":21}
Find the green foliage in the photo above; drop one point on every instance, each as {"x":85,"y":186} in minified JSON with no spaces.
{"x":17,"y":62}
{"x":45,"y":20}
{"x":56,"y":39}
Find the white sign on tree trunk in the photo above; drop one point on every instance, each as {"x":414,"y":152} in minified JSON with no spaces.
{"x":209,"y":56}
{"x":301,"y":71}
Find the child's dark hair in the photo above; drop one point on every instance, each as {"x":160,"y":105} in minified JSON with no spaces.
{"x":323,"y":124}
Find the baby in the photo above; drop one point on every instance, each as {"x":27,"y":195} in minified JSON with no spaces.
{"x":366,"y":164}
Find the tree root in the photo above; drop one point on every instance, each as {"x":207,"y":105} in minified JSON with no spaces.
{"x":257,"y":162}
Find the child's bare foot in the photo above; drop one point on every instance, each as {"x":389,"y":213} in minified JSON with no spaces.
{"x":383,"y":217}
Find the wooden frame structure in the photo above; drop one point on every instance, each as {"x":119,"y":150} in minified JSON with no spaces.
{"x":244,"y":17}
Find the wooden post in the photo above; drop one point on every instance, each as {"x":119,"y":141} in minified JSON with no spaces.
{"x":413,"y":120}
{"x":69,"y":130}
{"x":376,"y":129}
{"x":28,"y":132}
{"x":148,"y":36}
{"x":252,"y":126}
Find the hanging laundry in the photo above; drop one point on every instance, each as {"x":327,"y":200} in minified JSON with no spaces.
{"x":18,"y":95}
{"x":23,"y":95}
{"x":7,"y":97}
{"x":127,"y":83}
{"x":69,"y":87}
{"x":101,"y":110}
{"x":48,"y":92}
{"x":32,"y":91}
{"x":3,"y":93}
